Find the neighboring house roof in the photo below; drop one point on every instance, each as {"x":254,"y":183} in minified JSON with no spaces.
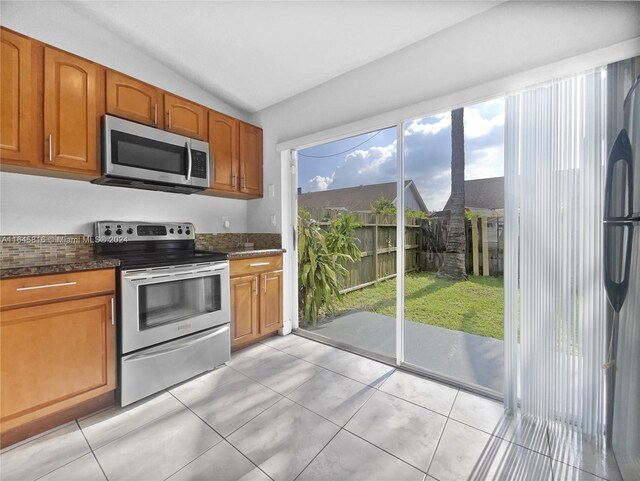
{"x":482,"y":194}
{"x":356,"y":199}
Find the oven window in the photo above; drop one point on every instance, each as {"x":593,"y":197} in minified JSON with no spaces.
{"x":134,"y":151}
{"x":175,"y":301}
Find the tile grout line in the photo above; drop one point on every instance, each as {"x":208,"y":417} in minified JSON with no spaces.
{"x":92,"y":452}
{"x":344,"y":428}
{"x":435,"y":451}
{"x":74,"y":459}
{"x":221,"y":436}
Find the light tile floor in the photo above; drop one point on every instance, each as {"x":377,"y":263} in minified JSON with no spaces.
{"x":293,"y":409}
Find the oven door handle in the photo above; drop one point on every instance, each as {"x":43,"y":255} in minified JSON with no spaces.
{"x":178,"y":345}
{"x":168,"y":275}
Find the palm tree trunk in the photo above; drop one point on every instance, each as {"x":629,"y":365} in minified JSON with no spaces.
{"x":454,"y":266}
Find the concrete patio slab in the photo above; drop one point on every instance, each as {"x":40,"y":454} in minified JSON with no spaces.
{"x":467,"y":357}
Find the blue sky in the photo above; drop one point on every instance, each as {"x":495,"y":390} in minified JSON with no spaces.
{"x":427,"y":155}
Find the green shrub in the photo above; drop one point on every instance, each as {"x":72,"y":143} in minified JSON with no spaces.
{"x":322,"y":256}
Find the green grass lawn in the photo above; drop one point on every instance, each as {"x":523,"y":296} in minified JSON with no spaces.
{"x":475,"y":306}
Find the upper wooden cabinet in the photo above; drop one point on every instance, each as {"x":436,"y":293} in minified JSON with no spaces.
{"x":184,"y":117}
{"x":52,"y":103}
{"x":19,"y":113}
{"x":73,"y":105}
{"x":134,"y":100}
{"x":224,"y":135}
{"x":250,"y":160}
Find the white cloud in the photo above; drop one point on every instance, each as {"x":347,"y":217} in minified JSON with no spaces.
{"x":475,"y":125}
{"x":483,"y":163}
{"x":320,"y":183}
{"x":421,"y":126}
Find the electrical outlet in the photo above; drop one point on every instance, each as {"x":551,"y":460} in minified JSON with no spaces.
{"x":226,"y":223}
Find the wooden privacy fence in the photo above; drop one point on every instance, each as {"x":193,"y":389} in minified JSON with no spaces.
{"x":377,"y":242}
{"x":485,"y":244}
{"x":425,"y":245}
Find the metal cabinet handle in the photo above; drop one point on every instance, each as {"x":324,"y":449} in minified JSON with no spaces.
{"x":113,"y":311}
{"x":258,"y":264}
{"x":46,"y":286}
{"x":190,"y":161}
{"x":50,"y":148}
{"x":264,"y":283}
{"x":256,"y":281}
{"x":155,"y":114}
{"x":169,"y":111}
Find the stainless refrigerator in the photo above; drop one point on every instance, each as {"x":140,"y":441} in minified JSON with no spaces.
{"x":622,"y":276}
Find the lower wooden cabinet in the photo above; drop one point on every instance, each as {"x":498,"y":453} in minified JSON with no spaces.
{"x":256,"y":299}
{"x":55,"y":355}
{"x":244,"y":309}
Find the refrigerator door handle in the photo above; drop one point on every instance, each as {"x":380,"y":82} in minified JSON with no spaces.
{"x":617,"y":290}
{"x":620,"y":152}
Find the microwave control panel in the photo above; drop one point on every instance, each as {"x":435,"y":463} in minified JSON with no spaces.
{"x":198,"y":164}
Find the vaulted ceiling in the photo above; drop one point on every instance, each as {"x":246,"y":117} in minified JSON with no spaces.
{"x":256,"y":54}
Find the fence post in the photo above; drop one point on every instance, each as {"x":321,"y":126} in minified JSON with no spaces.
{"x":485,"y":246}
{"x":375,"y":249}
{"x":474,"y":240}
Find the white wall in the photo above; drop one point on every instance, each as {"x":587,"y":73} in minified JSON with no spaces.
{"x":39,"y":205}
{"x":511,"y":38}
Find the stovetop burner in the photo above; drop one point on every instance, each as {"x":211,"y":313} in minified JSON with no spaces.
{"x":144,"y":244}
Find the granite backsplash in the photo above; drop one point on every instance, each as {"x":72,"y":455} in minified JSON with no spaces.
{"x":63,"y":246}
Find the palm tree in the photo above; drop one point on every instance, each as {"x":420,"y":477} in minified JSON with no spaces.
{"x":453,"y":266}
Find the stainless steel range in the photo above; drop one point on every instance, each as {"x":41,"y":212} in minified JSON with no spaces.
{"x":173,"y":304}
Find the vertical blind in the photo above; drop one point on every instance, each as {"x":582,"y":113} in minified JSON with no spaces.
{"x":555,"y":151}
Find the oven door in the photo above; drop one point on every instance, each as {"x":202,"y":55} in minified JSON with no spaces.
{"x":164,"y":303}
{"x":137,"y":151}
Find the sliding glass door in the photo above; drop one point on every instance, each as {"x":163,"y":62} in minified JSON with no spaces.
{"x":454,"y":225}
{"x":433,"y":186}
{"x":346,"y":197}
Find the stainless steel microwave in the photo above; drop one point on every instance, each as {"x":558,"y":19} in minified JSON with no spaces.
{"x":137,"y":156}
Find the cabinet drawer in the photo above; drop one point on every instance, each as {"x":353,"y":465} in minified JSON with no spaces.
{"x":255,"y":265}
{"x":53,"y":287}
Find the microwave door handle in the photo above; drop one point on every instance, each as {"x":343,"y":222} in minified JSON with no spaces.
{"x":620,"y":152}
{"x":189,"y":161}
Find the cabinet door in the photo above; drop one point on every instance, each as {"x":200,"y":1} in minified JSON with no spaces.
{"x":73,"y":104}
{"x":223,"y":147}
{"x":185,"y":118}
{"x":55,"y":356}
{"x":18,"y":100}
{"x":250,"y":159}
{"x":244,"y":309}
{"x":270,"y":302}
{"x":134,"y":100}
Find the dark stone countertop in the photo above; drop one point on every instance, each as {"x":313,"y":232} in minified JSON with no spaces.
{"x":34,"y":266}
{"x":243,"y":254}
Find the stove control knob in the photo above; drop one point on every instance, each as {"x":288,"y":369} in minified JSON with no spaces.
{"x":188,"y":232}
{"x":171,"y":231}
{"x":107,"y":232}
{"x":118,"y":231}
{"x":129,"y":230}
{"x":179,"y":231}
